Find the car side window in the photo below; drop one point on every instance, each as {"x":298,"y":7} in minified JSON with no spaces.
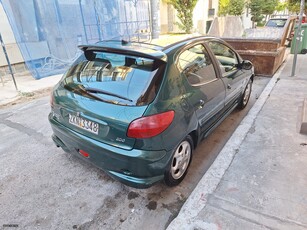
{"x":227,"y":57}
{"x":196,"y":65}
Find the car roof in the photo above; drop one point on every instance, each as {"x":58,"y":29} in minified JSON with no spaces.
{"x":178,"y":45}
{"x":188,"y":40}
{"x":141,"y":49}
{"x":283,"y":19}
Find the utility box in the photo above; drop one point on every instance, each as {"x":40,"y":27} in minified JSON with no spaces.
{"x":302,"y":45}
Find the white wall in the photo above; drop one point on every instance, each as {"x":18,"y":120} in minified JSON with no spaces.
{"x":9,"y":41}
{"x":163,"y":17}
{"x":246,"y":19}
{"x":201,"y":15}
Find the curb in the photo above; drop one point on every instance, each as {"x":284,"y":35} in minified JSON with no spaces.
{"x":197,"y":200}
{"x":5,"y":102}
{"x":26,"y":96}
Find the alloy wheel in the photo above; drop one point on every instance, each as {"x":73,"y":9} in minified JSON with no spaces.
{"x":181,"y":159}
{"x":247,"y":93}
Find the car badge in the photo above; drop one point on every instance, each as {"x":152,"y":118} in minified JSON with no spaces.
{"x":120,"y":139}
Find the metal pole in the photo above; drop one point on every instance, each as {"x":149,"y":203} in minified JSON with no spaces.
{"x":135,"y":2}
{"x":8,"y":61}
{"x":97,"y":22}
{"x":83,"y":21}
{"x":298,"y":37}
{"x":155,"y":17}
{"x":127,"y":28}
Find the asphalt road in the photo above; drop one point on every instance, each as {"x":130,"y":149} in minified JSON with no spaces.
{"x":42,"y":187}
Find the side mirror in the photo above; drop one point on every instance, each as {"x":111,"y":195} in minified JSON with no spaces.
{"x":229,"y":68}
{"x":246,"y":65}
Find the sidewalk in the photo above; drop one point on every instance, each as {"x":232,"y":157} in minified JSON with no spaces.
{"x":259,"y":179}
{"x":27,"y":87}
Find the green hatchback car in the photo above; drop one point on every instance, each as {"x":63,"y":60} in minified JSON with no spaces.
{"x":138,"y":110}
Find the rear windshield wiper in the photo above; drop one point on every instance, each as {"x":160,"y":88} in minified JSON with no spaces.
{"x":95,"y":90}
{"x":83,"y":91}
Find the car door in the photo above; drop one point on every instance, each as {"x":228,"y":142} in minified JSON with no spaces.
{"x":207,"y":89}
{"x":232,"y":76}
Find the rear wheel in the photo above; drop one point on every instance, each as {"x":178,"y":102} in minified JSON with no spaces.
{"x":246,"y":95}
{"x":180,"y":162}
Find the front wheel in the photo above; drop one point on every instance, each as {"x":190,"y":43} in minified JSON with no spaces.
{"x":180,"y":162}
{"x":246,"y":95}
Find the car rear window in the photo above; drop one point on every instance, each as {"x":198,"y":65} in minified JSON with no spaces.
{"x":276,"y":23}
{"x":115,"y":78}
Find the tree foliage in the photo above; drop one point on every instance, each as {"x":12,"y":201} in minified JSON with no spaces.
{"x":282,"y":6}
{"x":255,"y":7}
{"x":184,"y":10}
{"x":223,"y":7}
{"x":236,"y":7}
{"x":295,"y":5}
{"x":269,"y":6}
{"x":231,"y":7}
{"x":261,"y":8}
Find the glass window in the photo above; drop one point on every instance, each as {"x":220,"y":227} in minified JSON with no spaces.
{"x":196,"y":64}
{"x":119,"y":79}
{"x":226,"y":56}
{"x":276,"y":23}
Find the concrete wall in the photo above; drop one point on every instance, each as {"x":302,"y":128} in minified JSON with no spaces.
{"x":229,"y":27}
{"x":12,"y":48}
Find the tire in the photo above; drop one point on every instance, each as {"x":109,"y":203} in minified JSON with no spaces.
{"x":179,"y":163}
{"x":246,"y":95}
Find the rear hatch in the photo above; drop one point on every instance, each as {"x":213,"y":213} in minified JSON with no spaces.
{"x":103,"y":92}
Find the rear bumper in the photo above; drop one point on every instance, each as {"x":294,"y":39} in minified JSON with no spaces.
{"x":135,"y":168}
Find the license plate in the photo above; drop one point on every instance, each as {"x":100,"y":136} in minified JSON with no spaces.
{"x":82,"y":123}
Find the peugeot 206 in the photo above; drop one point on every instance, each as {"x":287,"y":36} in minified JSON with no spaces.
{"x":138,"y":110}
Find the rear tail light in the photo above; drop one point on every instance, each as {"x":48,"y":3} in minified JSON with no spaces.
{"x":150,"y":126}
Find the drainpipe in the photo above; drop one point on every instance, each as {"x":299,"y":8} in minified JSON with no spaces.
{"x":8,"y":61}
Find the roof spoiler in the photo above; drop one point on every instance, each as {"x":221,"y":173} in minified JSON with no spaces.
{"x":126,"y":50}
